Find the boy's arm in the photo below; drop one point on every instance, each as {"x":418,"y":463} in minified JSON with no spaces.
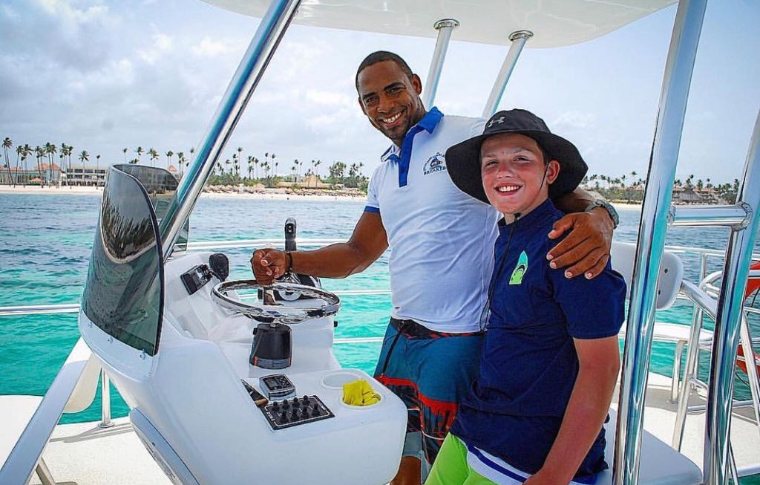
{"x":586,"y":249}
{"x":599,"y":363}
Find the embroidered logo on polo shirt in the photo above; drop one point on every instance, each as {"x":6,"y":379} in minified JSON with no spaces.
{"x":436,"y":163}
{"x":520,"y":269}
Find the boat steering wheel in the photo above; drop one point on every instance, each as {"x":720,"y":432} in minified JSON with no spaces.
{"x":269,"y":311}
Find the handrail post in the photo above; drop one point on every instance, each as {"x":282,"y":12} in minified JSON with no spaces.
{"x":651,"y":238}
{"x":444,"y":27}
{"x":250,"y":71}
{"x":518,"y":38}
{"x":727,"y":322}
{"x":105,"y":400}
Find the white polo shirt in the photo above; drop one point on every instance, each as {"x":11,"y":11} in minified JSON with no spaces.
{"x":441,"y":239}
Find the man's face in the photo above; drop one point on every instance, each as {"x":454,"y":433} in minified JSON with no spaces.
{"x":390,"y":99}
{"x":515,"y":178}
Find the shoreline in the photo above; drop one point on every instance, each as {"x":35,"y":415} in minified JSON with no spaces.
{"x":267,"y":194}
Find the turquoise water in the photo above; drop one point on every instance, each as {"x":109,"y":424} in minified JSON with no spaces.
{"x":45,"y":243}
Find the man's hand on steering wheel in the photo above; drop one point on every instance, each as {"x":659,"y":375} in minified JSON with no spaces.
{"x":268,"y":265}
{"x":586,"y":249}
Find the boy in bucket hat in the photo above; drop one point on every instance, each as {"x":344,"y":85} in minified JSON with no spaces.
{"x":550,"y":356}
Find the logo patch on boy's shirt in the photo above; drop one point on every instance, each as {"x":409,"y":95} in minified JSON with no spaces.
{"x":436,"y":163}
{"x":520,"y":269}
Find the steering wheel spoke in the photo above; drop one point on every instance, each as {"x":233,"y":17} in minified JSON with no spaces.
{"x":276,"y":313}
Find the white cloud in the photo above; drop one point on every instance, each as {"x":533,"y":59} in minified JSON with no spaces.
{"x":572,"y":121}
{"x":330,"y":98}
{"x":211,"y":48}
{"x":65,"y":9}
{"x":162,"y":44}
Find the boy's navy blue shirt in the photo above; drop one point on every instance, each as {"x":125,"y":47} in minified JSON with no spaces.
{"x":529,"y":365}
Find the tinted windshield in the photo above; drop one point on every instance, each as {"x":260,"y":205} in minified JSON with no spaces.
{"x":161,"y":187}
{"x":124,"y":291}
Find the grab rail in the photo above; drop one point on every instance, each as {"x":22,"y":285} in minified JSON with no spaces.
{"x":21,"y":462}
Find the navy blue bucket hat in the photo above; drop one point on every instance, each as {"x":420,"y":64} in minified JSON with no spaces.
{"x":463,"y":159}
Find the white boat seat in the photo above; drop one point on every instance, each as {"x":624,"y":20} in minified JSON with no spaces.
{"x":660,"y":464}
{"x":669,"y":281}
{"x":623,"y":255}
{"x":17,"y":411}
{"x":675,"y":333}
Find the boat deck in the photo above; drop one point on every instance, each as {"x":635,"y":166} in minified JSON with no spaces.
{"x":85,"y":454}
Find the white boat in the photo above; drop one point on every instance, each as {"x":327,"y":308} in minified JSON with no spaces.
{"x":160,"y":322}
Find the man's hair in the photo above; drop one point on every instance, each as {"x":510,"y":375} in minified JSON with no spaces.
{"x":381,"y":56}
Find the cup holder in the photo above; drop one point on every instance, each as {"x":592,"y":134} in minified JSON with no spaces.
{"x":336,"y":380}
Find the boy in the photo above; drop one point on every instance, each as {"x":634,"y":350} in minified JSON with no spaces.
{"x":550,"y":356}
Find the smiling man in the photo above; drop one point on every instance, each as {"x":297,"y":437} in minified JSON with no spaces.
{"x":441,"y":258}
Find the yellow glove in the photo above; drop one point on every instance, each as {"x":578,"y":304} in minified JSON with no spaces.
{"x":359,"y":393}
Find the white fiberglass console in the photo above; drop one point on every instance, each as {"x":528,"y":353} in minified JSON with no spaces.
{"x":182,"y":363}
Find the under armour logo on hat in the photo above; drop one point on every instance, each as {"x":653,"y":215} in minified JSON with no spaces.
{"x":495,"y":120}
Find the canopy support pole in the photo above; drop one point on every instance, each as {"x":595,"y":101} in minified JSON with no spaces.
{"x":518,"y":38}
{"x":444,"y":27}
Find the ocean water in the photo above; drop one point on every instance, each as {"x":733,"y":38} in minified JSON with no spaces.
{"x":45,"y":243}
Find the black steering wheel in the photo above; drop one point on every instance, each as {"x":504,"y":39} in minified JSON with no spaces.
{"x":270,"y":311}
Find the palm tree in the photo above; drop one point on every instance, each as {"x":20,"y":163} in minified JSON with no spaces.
{"x":20,"y":158}
{"x":139,"y":152}
{"x":169,"y":156}
{"x":181,"y":161}
{"x":8,"y":143}
{"x":316,"y":167}
{"x":24,"y":156}
{"x":65,"y":156}
{"x":50,"y":150}
{"x":124,"y":150}
{"x":97,"y":169}
{"x":250,"y":165}
{"x":153,"y":154}
{"x":38,"y":154}
{"x":84,"y":157}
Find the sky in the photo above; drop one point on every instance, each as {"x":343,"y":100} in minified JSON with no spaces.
{"x":102,"y":76}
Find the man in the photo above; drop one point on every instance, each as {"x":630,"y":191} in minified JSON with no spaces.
{"x":440,"y":262}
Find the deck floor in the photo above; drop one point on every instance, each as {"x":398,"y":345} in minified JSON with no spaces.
{"x":85,"y":454}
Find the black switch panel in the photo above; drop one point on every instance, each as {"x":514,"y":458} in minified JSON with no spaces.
{"x":295,"y":412}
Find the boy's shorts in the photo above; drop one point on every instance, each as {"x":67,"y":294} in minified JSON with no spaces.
{"x":461,"y":464}
{"x":431,"y":372}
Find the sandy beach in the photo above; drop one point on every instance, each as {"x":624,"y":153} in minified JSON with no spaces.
{"x":266,"y":194}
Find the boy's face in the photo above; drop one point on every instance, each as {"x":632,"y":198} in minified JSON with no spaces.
{"x":515,"y":178}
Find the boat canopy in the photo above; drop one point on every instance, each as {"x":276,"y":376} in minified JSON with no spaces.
{"x":554,"y":23}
